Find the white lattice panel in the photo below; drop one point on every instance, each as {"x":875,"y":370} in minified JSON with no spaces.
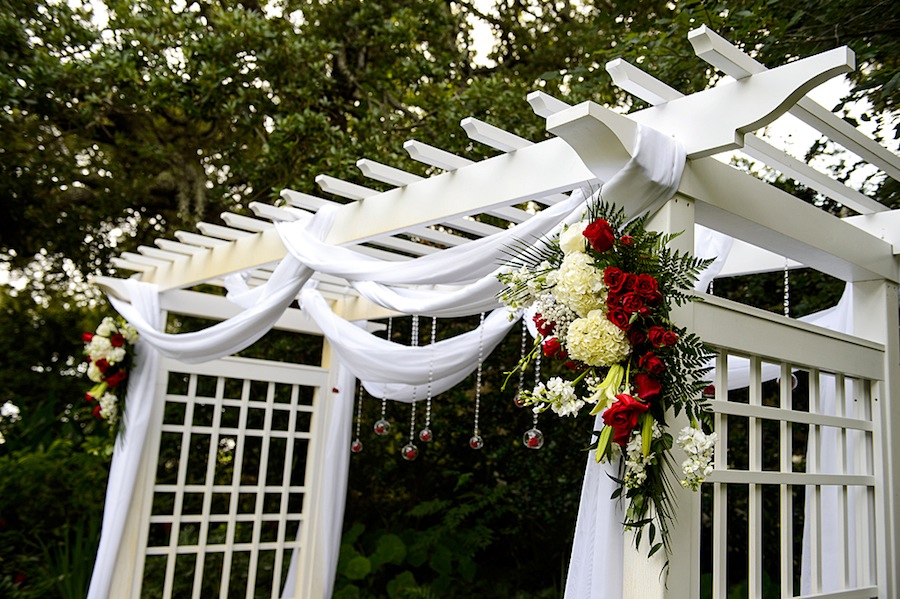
{"x":230,"y":480}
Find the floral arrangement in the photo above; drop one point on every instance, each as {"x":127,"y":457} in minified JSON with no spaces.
{"x":109,"y":361}
{"x":601,"y":293}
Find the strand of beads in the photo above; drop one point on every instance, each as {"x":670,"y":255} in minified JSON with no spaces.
{"x":475,"y":441}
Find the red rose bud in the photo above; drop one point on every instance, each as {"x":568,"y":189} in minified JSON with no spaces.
{"x":637,"y":336}
{"x":619,"y":317}
{"x":646,"y":285}
{"x":614,"y":278}
{"x":651,"y":363}
{"x":86,"y":337}
{"x":646,"y":387}
{"x":553,"y":349}
{"x":116,"y":340}
{"x":600,"y":235}
{"x":632,"y":302}
{"x":544,"y":327}
{"x":626,"y":240}
{"x":622,"y":416}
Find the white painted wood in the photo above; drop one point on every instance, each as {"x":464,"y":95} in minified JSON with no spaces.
{"x":492,"y":136}
{"x":344,"y":189}
{"x":720,"y":53}
{"x":276,"y":214}
{"x":159,"y":254}
{"x":754,"y":490}
{"x":786,"y":498}
{"x":199,"y":240}
{"x":720,"y":490}
{"x":220,"y":232}
{"x":143,"y":259}
{"x":638,"y":83}
{"x":178,"y":247}
{"x":884,"y":225}
{"x":386,"y":174}
{"x":544,"y":104}
{"x":442,"y":159}
{"x":246,"y":223}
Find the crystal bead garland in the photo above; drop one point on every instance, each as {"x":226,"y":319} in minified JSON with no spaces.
{"x":410,"y":451}
{"x":425,"y":435}
{"x":382,"y":425}
{"x":475,"y":441}
{"x":356,"y":445}
{"x":533,"y":437}
{"x":517,"y":400}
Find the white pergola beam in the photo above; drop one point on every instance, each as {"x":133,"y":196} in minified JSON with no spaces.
{"x":492,"y":136}
{"x":199,"y":240}
{"x":344,"y":189}
{"x":386,"y":174}
{"x":246,"y":223}
{"x":220,"y":232}
{"x":178,"y":247}
{"x":436,"y":157}
{"x":722,"y":54}
{"x":640,"y":84}
{"x":543,"y":104}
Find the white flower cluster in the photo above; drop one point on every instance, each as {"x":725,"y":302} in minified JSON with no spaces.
{"x":580,"y":285}
{"x":635,"y":461}
{"x":596,"y":341}
{"x":99,"y":348}
{"x":559,"y":395}
{"x":557,"y":313}
{"x":525,"y":285}
{"x":109,"y":407}
{"x":699,"y":448}
{"x":571,"y":240}
{"x":10,"y":413}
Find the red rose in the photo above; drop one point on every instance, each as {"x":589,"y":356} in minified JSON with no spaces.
{"x":115,"y":379}
{"x":646,"y":285}
{"x":637,"y":336}
{"x":116,"y":340}
{"x":102,"y":365}
{"x":654,"y":299}
{"x":613,"y":300}
{"x":626,"y":240}
{"x":623,"y":415}
{"x":632,"y":302}
{"x":670,"y":338}
{"x":544,"y":327}
{"x":651,"y":363}
{"x":614,"y":278}
{"x":646,"y":387}
{"x":600,"y":235}
{"x":86,"y":337}
{"x":656,"y":334}
{"x":619,"y":317}
{"x":629,"y":282}
{"x":553,"y":348}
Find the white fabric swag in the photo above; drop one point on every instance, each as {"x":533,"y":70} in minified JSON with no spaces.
{"x":466,"y":280}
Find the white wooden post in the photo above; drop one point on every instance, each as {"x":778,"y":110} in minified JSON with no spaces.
{"x":642,"y":578}
{"x":875,"y":306}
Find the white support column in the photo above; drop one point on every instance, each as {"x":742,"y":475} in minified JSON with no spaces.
{"x":875,"y":307}
{"x":642,"y":578}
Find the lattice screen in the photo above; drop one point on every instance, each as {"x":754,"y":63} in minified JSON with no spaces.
{"x":795,"y":457}
{"x":229,"y":486}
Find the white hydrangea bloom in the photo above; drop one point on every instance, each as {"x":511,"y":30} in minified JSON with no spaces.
{"x":580,"y":285}
{"x":98,"y":348}
{"x":572,"y":240}
{"x":596,"y":341}
{"x":699,"y":448}
{"x":116,"y":355}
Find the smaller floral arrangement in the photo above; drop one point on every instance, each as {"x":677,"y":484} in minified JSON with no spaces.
{"x":602,"y":293}
{"x":109,"y":359}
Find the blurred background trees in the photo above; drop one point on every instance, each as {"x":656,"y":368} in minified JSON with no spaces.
{"x":125,"y":120}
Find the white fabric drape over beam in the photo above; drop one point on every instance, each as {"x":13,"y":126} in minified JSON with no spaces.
{"x":648,"y":180}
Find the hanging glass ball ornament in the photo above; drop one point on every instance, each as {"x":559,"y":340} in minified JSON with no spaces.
{"x":533,"y":439}
{"x":382,"y":427}
{"x":409,"y":452}
{"x":519,"y":401}
{"x":476,"y":442}
{"x":425,"y":435}
{"x":356,"y":446}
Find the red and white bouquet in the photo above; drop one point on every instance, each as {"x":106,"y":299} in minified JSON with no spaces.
{"x":601,"y":294}
{"x":108,"y":355}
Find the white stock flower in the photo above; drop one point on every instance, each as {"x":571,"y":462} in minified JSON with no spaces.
{"x":596,"y":341}
{"x":98,"y":348}
{"x":699,"y":448}
{"x":109,"y":407}
{"x":580,"y":285}
{"x":559,"y":395}
{"x":107,"y":327}
{"x":572,"y":240}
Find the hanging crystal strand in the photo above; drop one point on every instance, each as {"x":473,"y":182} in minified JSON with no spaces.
{"x":382,"y":425}
{"x":410,"y":451}
{"x":533,"y":437}
{"x":475,"y":441}
{"x":425,"y":435}
{"x":518,"y":400}
{"x":356,"y":445}
{"x":787,"y":289}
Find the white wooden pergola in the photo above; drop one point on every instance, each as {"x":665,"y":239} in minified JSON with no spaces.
{"x":273,"y":409}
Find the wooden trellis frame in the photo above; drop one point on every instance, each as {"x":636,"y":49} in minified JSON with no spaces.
{"x":590,"y":144}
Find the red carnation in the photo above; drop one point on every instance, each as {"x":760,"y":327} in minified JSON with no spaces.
{"x":600,"y":235}
{"x":614,"y":278}
{"x":646,"y":285}
{"x":623,"y":416}
{"x":651,"y":363}
{"x":619,"y":317}
{"x":646,"y":387}
{"x":116,"y":340}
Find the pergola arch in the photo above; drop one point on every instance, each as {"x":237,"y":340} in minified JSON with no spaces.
{"x":591,"y":145}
